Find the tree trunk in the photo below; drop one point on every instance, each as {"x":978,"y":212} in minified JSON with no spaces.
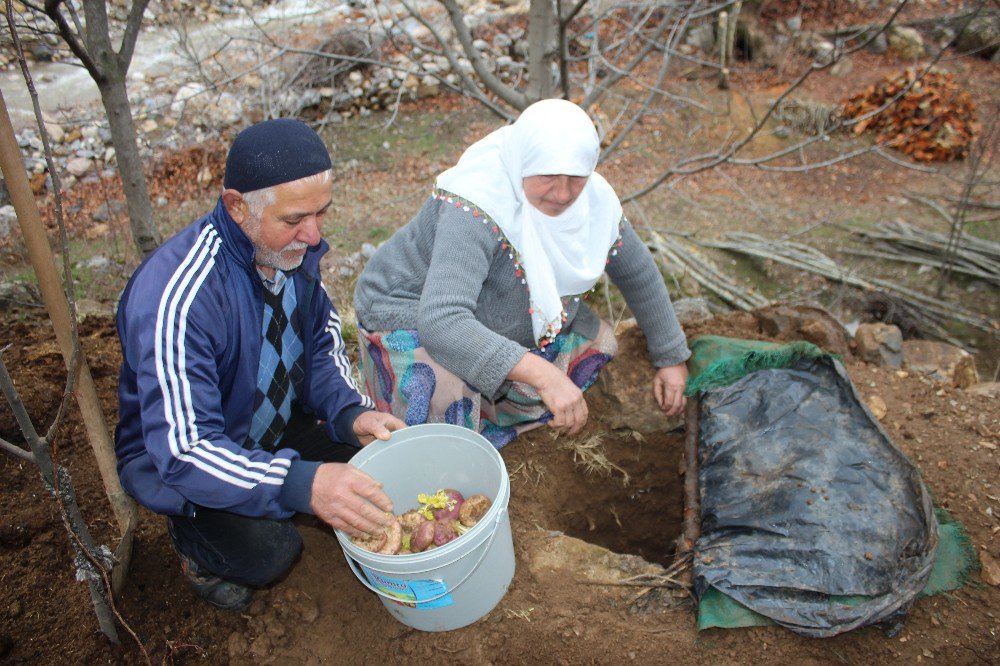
{"x":115,"y":98}
{"x":542,"y":31}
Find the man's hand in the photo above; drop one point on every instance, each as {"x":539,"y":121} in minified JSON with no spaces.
{"x":668,"y":388}
{"x":370,"y":426}
{"x":349,"y":500}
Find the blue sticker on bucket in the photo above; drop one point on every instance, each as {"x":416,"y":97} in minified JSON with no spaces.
{"x":412,"y":593}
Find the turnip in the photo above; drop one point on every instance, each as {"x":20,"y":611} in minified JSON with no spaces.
{"x":422,"y":537}
{"x":393,"y":538}
{"x":473,"y":509}
{"x":386,"y":541}
{"x":452,"y":506}
{"x":411,"y":520}
{"x":444,"y":532}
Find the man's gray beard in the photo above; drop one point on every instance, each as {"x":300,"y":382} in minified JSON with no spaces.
{"x":272,"y":259}
{"x":269,"y":258}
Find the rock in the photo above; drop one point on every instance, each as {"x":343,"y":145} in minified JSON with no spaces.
{"x":39,"y":183}
{"x":504,"y":63}
{"x":149,"y":125}
{"x":988,"y":389}
{"x":794,"y":23}
{"x":88,"y":307}
{"x":906,"y":42}
{"x":941,"y":361}
{"x":79,"y":166}
{"x":824,"y":51}
{"x":981,"y":36}
{"x":806,"y":322}
{"x":701,"y":37}
{"x":991,"y":569}
{"x":879,"y":45}
{"x":877,"y":406}
{"x":106,"y":211}
{"x":881,"y":344}
{"x":578,"y":559}
{"x":237,"y":646}
{"x":8,"y":222}
{"x":429,"y":87}
{"x":691,"y":310}
{"x":367,"y":251}
{"x":56,"y":133}
{"x":13,"y":294}
{"x":502,"y":42}
{"x":623,"y":394}
{"x":109,"y":155}
{"x":481,"y":45}
{"x":187,"y":94}
{"x":842,"y":67}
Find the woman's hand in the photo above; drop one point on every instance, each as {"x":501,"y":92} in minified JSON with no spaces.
{"x":668,"y":388}
{"x":563,"y":398}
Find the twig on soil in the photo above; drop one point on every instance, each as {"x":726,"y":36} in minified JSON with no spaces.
{"x":590,"y":454}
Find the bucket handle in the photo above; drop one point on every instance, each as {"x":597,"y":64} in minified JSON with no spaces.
{"x":351,"y":563}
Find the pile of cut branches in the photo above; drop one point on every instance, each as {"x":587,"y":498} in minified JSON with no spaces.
{"x":928,"y":118}
{"x":975,"y":257}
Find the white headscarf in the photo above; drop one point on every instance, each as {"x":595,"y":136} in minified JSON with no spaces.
{"x":563,"y":255}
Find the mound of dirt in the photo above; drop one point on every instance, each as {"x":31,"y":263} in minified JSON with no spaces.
{"x":578,"y":532}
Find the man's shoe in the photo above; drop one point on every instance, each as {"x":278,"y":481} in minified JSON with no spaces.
{"x":216,"y":591}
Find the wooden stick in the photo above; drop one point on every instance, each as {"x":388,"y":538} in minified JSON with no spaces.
{"x":54,"y":297}
{"x":691,"y":529}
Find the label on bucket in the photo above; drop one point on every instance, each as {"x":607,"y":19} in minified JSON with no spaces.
{"x":411,"y":593}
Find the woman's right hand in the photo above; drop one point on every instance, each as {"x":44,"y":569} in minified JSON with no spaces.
{"x":563,"y":398}
{"x":566,"y":402}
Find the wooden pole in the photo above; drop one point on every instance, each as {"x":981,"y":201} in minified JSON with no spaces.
{"x":43,"y":263}
{"x":691,"y":529}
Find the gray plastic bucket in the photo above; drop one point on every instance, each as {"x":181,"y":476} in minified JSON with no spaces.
{"x":455,"y":584}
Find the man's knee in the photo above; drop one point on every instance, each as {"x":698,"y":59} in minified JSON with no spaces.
{"x":249,"y":551}
{"x":278,"y":544}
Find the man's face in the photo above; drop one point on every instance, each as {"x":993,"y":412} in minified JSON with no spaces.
{"x":290,"y":225}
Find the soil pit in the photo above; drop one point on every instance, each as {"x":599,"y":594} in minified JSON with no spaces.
{"x":621,"y":491}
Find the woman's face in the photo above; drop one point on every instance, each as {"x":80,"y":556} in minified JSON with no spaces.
{"x":553,"y":194}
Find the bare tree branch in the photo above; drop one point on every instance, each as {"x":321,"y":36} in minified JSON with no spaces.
{"x":132,"y":26}
{"x":496,"y":86}
{"x":17,"y":451}
{"x":72,"y":38}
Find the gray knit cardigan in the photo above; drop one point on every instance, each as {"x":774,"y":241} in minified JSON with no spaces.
{"x":450,"y":275}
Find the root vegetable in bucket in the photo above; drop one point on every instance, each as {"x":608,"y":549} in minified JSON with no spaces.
{"x":441,"y":518}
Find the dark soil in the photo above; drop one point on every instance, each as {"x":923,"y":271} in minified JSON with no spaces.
{"x":321,"y":614}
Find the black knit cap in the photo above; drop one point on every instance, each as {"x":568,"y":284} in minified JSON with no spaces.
{"x":274,"y":152}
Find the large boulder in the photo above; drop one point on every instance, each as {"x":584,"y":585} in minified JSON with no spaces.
{"x":906,"y":42}
{"x":981,"y":36}
{"x":942,"y":361}
{"x":879,"y":343}
{"x":622,"y":396}
{"x":804,"y":322}
{"x":691,"y":310}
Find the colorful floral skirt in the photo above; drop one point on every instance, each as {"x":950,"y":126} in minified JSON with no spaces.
{"x":402,"y":378}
